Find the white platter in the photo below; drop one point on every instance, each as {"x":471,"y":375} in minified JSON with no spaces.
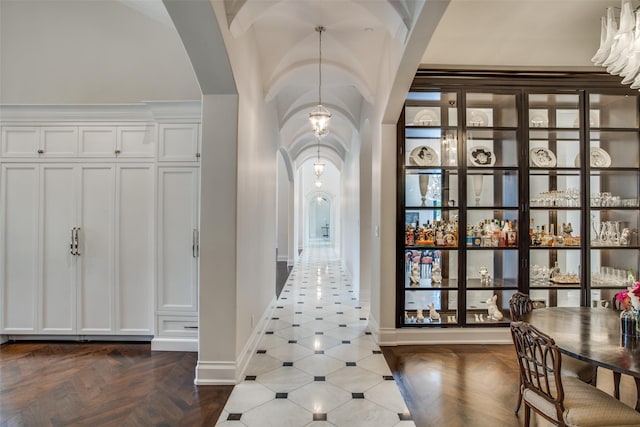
{"x":598,"y":158}
{"x":542,"y":157}
{"x":477,"y":118}
{"x":426,"y":117}
{"x":481,"y":155}
{"x":424,"y":156}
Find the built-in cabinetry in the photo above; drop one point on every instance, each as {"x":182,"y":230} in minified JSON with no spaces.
{"x":510,"y":183}
{"x":99,"y":230}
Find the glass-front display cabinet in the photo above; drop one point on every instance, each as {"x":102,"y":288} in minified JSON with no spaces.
{"x":505,"y":188}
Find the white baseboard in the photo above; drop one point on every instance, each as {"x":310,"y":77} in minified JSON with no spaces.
{"x":411,"y":336}
{"x":174,"y":344}
{"x":252,"y":343}
{"x":215,"y":373}
{"x":231,"y":372}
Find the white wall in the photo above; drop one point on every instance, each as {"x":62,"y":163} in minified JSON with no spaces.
{"x":282,"y":232}
{"x":89,"y":52}
{"x":351,"y":215}
{"x":331,"y":185}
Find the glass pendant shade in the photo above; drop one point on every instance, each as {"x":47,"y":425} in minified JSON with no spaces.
{"x":318,"y":168}
{"x":319,"y":119}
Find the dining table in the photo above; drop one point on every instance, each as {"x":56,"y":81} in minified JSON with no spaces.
{"x":593,"y":335}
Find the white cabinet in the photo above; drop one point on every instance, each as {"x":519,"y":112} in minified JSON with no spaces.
{"x":178,"y":142}
{"x":97,"y":141}
{"x":135,"y":243}
{"x":178,"y":251}
{"x":102,"y":283}
{"x":19,"y":197}
{"x":34,"y":142}
{"x":135,"y":141}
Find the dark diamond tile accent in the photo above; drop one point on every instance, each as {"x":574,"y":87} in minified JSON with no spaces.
{"x":357,"y":395}
{"x":334,"y":287}
{"x":405,"y":417}
{"x":319,"y":333}
{"x":377,"y":352}
{"x":346,"y":342}
{"x":283,"y":298}
{"x":293,"y":341}
{"x":295,"y":325}
{"x":319,"y":352}
{"x":353,"y":299}
{"x":318,"y":318}
{"x":275,"y":318}
{"x":387,"y":377}
{"x":363,"y":318}
{"x":319,"y":378}
{"x":351,"y":291}
{"x":261,"y":351}
{"x":234,"y":417}
{"x":287,"y":290}
{"x":250,"y":378}
{"x":319,"y":417}
{"x":319,"y":307}
{"x":337,"y":302}
{"x":336,"y":295}
{"x":339,"y":312}
{"x":287,"y":363}
{"x":300,"y":302}
{"x":297,"y":312}
{"x":351,"y":363}
{"x":367,"y":333}
{"x":358,"y":308}
{"x":268,"y":333}
{"x":280,"y":306}
{"x":303,"y":295}
{"x":342,"y":325}
{"x":281,"y":395}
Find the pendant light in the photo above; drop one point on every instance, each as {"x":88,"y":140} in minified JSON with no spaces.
{"x":318,"y":167}
{"x":320,"y":116}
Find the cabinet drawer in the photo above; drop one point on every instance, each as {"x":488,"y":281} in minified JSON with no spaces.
{"x":177,"y":326}
{"x":178,"y":142}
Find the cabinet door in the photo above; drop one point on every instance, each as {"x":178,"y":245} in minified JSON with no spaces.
{"x":96,"y":246}
{"x":136,"y":141}
{"x":178,"y":142}
{"x":57,"y":264}
{"x":135,"y":224}
{"x":59,"y":141}
{"x":20,"y":141}
{"x":19,"y":248}
{"x":177,"y":239}
{"x":97,"y":141}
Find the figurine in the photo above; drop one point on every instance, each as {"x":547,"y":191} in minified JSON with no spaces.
{"x":414,"y":279}
{"x":436,"y":274}
{"x":420,"y":316}
{"x":493,"y":312}
{"x":485,"y":277}
{"x":625,"y":237}
{"x":433,"y":314}
{"x":567,"y":229}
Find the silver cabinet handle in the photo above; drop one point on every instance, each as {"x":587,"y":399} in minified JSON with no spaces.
{"x":76,"y":241}
{"x":71,"y":244}
{"x":194,"y":243}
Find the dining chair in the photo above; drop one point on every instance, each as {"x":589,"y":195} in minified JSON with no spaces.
{"x":563,"y":400}
{"x":521,"y":304}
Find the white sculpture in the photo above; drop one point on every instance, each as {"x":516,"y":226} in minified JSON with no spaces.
{"x":485,"y":277}
{"x":414,"y":279}
{"x":493,"y":312}
{"x":436,"y":274}
{"x":420,"y":316}
{"x":625,"y":237}
{"x":433,"y":314}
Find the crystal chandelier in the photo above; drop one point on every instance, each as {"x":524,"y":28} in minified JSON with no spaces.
{"x":619,"y":50}
{"x":320,"y":116}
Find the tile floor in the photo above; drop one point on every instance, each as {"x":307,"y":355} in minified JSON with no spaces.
{"x":317,"y":364}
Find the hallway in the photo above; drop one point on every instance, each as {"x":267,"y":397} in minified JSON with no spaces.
{"x":317,"y":364}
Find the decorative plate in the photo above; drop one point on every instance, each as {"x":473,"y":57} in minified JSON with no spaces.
{"x":481,"y":156}
{"x":424,"y":156}
{"x":426,"y":117}
{"x":598,"y":158}
{"x":477,"y":118}
{"x":542,"y":157}
{"x":538,"y":120}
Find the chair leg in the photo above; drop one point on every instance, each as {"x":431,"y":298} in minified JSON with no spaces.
{"x":527,"y":415}
{"x":616,"y":385}
{"x":594,"y":380}
{"x":519,"y":399}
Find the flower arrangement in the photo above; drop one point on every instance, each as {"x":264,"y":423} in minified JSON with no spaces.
{"x":630,"y":299}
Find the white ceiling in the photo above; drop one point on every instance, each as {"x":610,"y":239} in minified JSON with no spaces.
{"x":365,"y":43}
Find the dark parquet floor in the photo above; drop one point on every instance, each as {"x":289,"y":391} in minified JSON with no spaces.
{"x":115,"y":384}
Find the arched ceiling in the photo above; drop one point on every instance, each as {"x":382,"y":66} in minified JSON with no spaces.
{"x":358,"y":32}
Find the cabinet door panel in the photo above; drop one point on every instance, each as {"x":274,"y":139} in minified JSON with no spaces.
{"x":61,"y":141}
{"x":95,"y":263}
{"x":178,"y":142}
{"x":136,"y":141}
{"x":57,"y":265}
{"x":19,"y":248}
{"x":97,"y":141}
{"x":135,"y":248}
{"x":20,"y":141}
{"x":177,"y":220}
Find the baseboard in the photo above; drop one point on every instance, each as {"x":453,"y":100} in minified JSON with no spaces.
{"x":426,"y":336}
{"x":215,"y":373}
{"x":230,"y":372}
{"x":252,"y":343}
{"x":3,"y":339}
{"x":79,"y":338}
{"x":174,"y":344}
